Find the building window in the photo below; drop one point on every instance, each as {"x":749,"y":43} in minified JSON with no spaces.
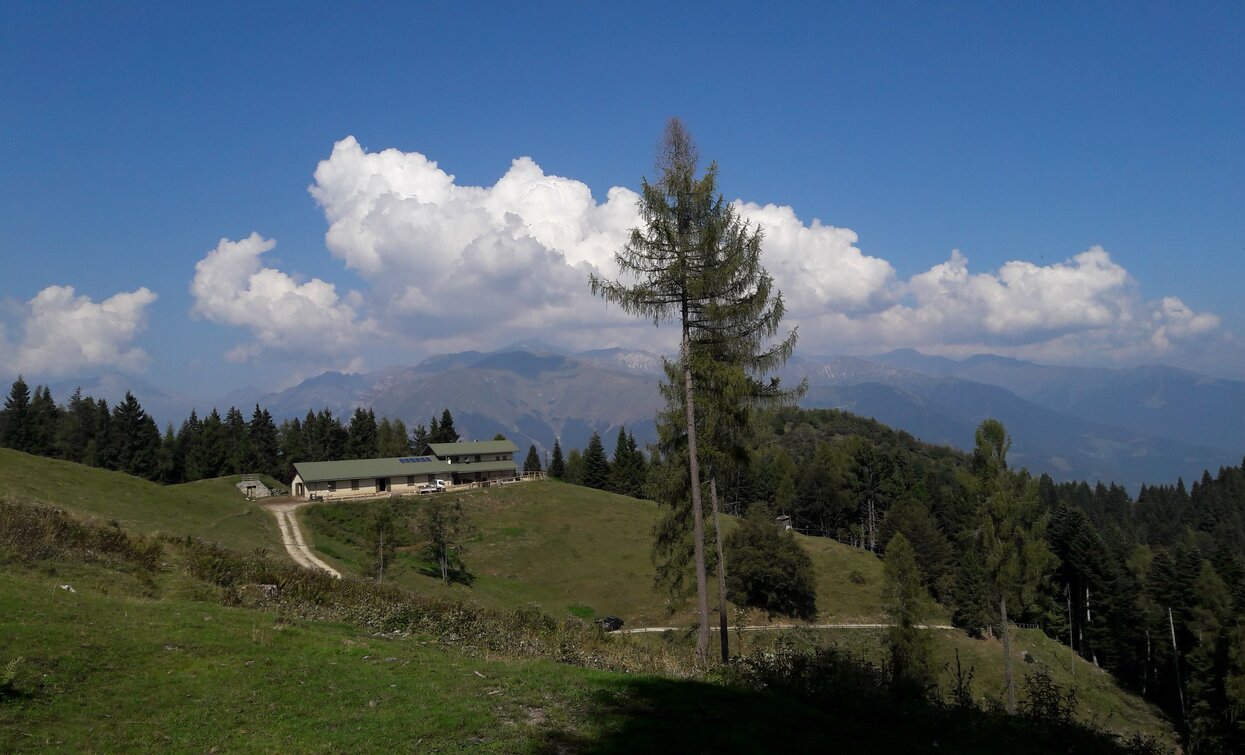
{"x":332,"y":487}
{"x":354,"y":484}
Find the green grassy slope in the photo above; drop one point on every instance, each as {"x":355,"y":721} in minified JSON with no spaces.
{"x":129,"y":663}
{"x":567,"y":548}
{"x":208,"y":509}
{"x":149,"y":661}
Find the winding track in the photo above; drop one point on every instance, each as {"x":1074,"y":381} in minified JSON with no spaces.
{"x":775,"y":627}
{"x":292,"y":536}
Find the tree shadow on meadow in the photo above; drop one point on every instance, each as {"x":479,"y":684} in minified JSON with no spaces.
{"x":457,"y":576}
{"x":666,"y":715}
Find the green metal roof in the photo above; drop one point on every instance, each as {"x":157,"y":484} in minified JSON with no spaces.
{"x":483,"y":466}
{"x":473,"y":447}
{"x":357,"y":469}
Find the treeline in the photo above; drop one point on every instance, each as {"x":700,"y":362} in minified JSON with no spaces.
{"x":126,"y":439}
{"x":1151,"y":589}
{"x":626,"y":473}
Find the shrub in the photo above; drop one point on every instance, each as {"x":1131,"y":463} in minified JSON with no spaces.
{"x":769,"y":570}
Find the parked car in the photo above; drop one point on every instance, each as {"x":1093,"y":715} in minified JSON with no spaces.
{"x":610,"y":623}
{"x":436,"y":486}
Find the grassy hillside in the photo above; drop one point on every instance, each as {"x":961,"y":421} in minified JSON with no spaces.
{"x":137,"y":659}
{"x":565,"y":548}
{"x":209,"y":509}
{"x":141,"y":655}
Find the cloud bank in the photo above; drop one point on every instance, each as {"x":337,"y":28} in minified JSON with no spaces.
{"x":65,"y":334}
{"x":452,"y":266}
{"x":290,"y":319}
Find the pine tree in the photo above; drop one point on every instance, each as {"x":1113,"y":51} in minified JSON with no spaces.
{"x":76,"y":428}
{"x":420,"y":439}
{"x":1208,"y":660}
{"x":697,"y":264}
{"x":233,"y":435}
{"x":1012,"y":530}
{"x":907,"y":604}
{"x":134,"y":440}
{"x":189,"y":436}
{"x":15,"y":420}
{"x":211,"y":450}
{"x":532,"y":462}
{"x":361,"y":442}
{"x":293,"y":449}
{"x":596,"y":468}
{"x":44,"y":417}
{"x":391,"y":439}
{"x":627,"y":472}
{"x":446,"y":432}
{"x":557,"y":465}
{"x":263,"y":446}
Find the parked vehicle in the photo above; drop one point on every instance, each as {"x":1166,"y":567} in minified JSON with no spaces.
{"x":436,"y":486}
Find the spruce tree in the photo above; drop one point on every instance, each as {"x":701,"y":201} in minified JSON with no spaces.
{"x":134,"y":440}
{"x":447,"y":433}
{"x":596,"y":468}
{"x":263,"y":446}
{"x":907,"y":604}
{"x":15,"y":420}
{"x":557,"y":465}
{"x":234,"y":437}
{"x":361,"y":440}
{"x":532,"y":462}
{"x":44,"y":417}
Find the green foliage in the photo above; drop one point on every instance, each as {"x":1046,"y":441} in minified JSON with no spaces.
{"x":557,"y":465}
{"x":629,"y":469}
{"x":595,"y":470}
{"x":907,"y":605}
{"x":361,"y":440}
{"x":16,"y":422}
{"x":1047,"y":701}
{"x":31,"y":532}
{"x":442,"y":526}
{"x":381,"y":532}
{"x":769,"y":570}
{"x":532,"y":462}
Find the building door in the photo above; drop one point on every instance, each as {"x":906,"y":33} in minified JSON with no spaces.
{"x":382,"y":484}
{"x":298,"y":490}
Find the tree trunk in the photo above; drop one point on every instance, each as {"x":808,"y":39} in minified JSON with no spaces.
{"x":717,"y":539}
{"x":698,"y":524}
{"x":1009,"y":681}
{"x":445,"y":566}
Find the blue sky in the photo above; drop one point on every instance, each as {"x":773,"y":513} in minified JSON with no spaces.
{"x":1086,"y":160}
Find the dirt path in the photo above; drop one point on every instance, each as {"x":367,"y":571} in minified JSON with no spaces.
{"x":292,"y":536}
{"x":775,"y":627}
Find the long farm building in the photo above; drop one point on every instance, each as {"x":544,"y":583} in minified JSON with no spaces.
{"x":454,"y":463}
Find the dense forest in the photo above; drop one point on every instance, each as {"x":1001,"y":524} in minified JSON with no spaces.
{"x":126,"y":439}
{"x":1151,"y":589}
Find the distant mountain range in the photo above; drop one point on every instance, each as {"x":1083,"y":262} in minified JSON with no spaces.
{"x":1146,"y":424}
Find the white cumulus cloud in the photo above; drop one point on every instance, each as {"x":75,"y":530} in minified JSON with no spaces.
{"x":304,"y":320}
{"x":65,"y":334}
{"x":449,"y":266}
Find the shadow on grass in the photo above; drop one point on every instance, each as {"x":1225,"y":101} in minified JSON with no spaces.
{"x":663,"y":715}
{"x":457,"y":576}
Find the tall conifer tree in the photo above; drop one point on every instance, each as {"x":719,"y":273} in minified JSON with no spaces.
{"x":696,"y":263}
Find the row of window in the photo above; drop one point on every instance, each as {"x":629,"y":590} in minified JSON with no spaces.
{"x":354,"y":484}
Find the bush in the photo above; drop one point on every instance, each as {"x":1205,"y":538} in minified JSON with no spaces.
{"x":768,"y":569}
